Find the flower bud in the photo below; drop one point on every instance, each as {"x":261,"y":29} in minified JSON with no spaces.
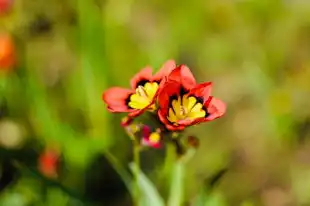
{"x":126,"y":121}
{"x":193,"y":141}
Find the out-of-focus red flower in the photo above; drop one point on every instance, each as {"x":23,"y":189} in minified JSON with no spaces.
{"x":150,"y":138}
{"x":7,"y":52}
{"x":143,"y":92}
{"x":5,"y":6}
{"x":48,"y":163}
{"x":183,"y":102}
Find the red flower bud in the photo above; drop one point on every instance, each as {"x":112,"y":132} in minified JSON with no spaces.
{"x":126,"y":121}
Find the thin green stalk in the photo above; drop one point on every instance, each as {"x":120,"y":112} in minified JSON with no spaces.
{"x":169,"y":159}
{"x":50,"y":182}
{"x":120,"y":170}
{"x":136,"y":159}
{"x":177,"y":179}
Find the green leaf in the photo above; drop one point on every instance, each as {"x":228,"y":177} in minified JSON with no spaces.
{"x":149,"y":195}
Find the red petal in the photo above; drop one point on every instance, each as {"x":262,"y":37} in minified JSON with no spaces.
{"x":136,"y":112}
{"x":165,"y":70}
{"x":183,"y":75}
{"x":170,"y":88}
{"x":175,"y":128}
{"x":143,"y":75}
{"x":216,"y":108}
{"x":146,"y":131}
{"x":146,"y":141}
{"x":116,"y":98}
{"x":202,"y":90}
{"x":162,"y":115}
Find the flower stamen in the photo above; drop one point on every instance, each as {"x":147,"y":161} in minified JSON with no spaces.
{"x":182,"y":110}
{"x":185,"y":108}
{"x":143,"y":96}
{"x":141,"y":91}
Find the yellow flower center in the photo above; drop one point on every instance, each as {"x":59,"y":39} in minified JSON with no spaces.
{"x":154,"y":137}
{"x":187,"y":107}
{"x":143,"y":96}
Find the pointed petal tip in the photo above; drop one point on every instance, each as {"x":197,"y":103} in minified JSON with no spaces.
{"x":143,"y":74}
{"x":115,"y":99}
{"x":216,"y":109}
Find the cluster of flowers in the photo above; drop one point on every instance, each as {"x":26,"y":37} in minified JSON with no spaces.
{"x":171,"y":95}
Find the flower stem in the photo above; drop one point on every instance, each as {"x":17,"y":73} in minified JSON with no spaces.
{"x":169,"y":159}
{"x":136,"y":159}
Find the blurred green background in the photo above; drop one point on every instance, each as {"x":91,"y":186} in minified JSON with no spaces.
{"x":256,"y":52}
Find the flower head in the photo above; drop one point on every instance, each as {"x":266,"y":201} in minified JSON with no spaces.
{"x":7,"y":52}
{"x":183,"y":102}
{"x":5,"y":6}
{"x":48,"y":163}
{"x":143,"y":92}
{"x":151,"y":138}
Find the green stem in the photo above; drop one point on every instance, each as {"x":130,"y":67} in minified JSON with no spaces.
{"x":136,"y":159}
{"x":120,"y":170}
{"x":50,"y":182}
{"x":169,"y":159}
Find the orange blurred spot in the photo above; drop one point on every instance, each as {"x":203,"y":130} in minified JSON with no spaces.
{"x":7,"y":52}
{"x":48,"y":162}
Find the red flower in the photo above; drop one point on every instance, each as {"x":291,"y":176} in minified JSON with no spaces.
{"x":149,"y":138}
{"x":5,"y":6}
{"x":184,"y":103}
{"x":143,"y":92}
{"x":7,"y":52}
{"x":48,"y":163}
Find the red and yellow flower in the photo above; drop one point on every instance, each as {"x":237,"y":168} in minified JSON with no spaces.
{"x":143,"y":92}
{"x":151,"y":138}
{"x":183,"y":102}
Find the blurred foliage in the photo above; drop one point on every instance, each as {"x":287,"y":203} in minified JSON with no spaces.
{"x":257,"y":53}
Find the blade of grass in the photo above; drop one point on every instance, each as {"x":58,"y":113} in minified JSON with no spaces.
{"x":148,"y":191}
{"x":94,"y":74}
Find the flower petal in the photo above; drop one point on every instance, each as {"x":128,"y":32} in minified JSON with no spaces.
{"x":202,"y":91}
{"x":184,"y":76}
{"x":136,"y":112}
{"x":116,"y":99}
{"x":170,"y":90}
{"x":216,"y":108}
{"x":143,"y":76}
{"x":175,"y":128}
{"x":165,"y":70}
